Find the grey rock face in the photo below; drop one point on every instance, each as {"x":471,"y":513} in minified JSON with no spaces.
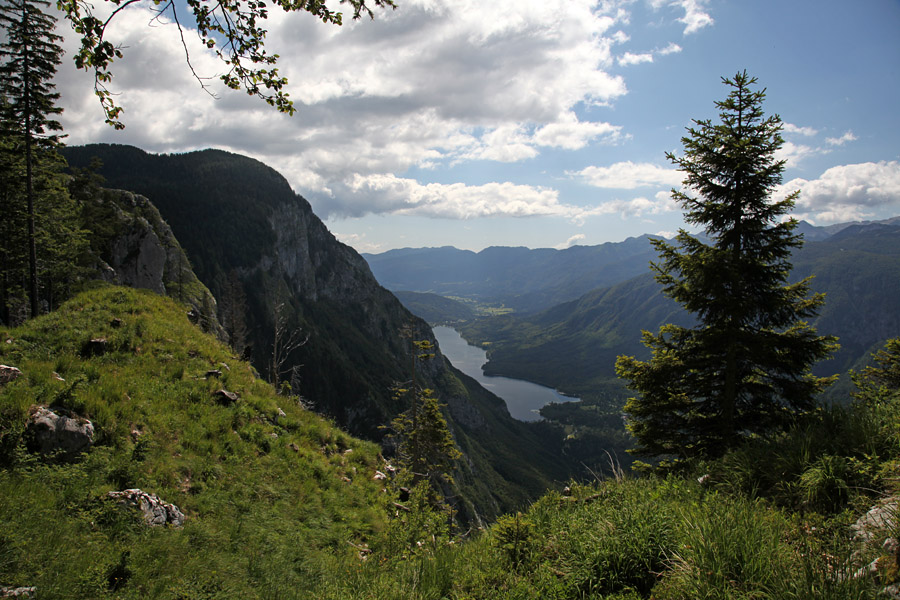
{"x":139,"y":257}
{"x":155,"y":511}
{"x":50,"y":431}
{"x":879,"y":519}
{"x":145,"y":254}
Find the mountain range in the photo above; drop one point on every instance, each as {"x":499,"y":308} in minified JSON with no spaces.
{"x":572,"y":345}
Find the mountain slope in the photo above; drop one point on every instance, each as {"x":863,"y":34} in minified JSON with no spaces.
{"x":573,"y":346}
{"x":239,"y":217}
{"x":523,"y":279}
{"x":270,"y":492}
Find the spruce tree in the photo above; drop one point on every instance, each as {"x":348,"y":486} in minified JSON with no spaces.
{"x":744,"y":369}
{"x":30,"y":54}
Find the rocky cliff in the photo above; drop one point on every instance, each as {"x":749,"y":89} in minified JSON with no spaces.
{"x":240,"y":221}
{"x":136,"y":247}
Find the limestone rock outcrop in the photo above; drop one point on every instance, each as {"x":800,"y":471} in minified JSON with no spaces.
{"x":155,"y":511}
{"x":51,"y":431}
{"x":8,"y":374}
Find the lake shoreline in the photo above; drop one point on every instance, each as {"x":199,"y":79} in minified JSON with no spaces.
{"x":523,"y":398}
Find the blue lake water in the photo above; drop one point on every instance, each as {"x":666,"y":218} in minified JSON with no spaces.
{"x":523,"y":398}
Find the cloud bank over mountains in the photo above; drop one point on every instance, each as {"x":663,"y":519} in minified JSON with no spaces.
{"x":410,"y":114}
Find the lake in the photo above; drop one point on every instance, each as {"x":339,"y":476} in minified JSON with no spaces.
{"x":523,"y":398}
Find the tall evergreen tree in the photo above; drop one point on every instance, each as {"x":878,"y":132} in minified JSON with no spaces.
{"x":30,"y":55}
{"x":744,"y":369}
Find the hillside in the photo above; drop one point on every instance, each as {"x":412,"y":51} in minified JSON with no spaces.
{"x":522,"y":279}
{"x":271,"y":493}
{"x":434,"y":308}
{"x":241,"y":222}
{"x":264,"y":499}
{"x":573,"y":346}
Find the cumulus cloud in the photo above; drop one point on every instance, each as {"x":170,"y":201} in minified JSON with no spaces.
{"x":790,"y":128}
{"x":633,"y":207}
{"x":847,"y":137}
{"x":433,"y":84}
{"x":695,"y":16}
{"x":672,"y":48}
{"x":635,"y":59}
{"x":628,"y":175}
{"x":847,"y":192}
{"x":389,"y":193}
{"x":572,"y":241}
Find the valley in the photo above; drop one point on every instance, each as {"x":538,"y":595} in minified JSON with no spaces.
{"x":523,"y":398}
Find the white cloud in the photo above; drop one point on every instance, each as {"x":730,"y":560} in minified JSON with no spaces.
{"x":695,"y":16}
{"x":572,"y":241}
{"x":790,"y":128}
{"x":634,"y":207}
{"x":570,"y":133}
{"x":433,"y":84}
{"x":672,"y":48}
{"x":635,"y":59}
{"x":847,"y":192}
{"x":388,"y":193}
{"x":793,"y":153}
{"x":628,"y":175}
{"x":847,"y":137}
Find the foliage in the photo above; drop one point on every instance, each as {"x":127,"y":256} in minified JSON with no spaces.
{"x":425,"y":448}
{"x":745,"y":368}
{"x":233,"y":28}
{"x":39,"y":213}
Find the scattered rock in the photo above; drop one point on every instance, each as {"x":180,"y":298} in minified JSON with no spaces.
{"x":891,"y":546}
{"x":19,"y":592}
{"x":294,"y":447}
{"x":379,"y":476}
{"x":155,"y":511}
{"x":94,"y":347}
{"x":281,"y":413}
{"x":880,"y":518}
{"x":224,"y":366}
{"x":58,"y":430}
{"x":225,"y":397}
{"x":8,"y":374}
{"x":193,"y":316}
{"x":116,"y":323}
{"x":56,"y":376}
{"x":213,"y":373}
{"x":703,"y":479}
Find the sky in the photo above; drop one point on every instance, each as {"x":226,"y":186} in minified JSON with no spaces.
{"x":538,"y":123}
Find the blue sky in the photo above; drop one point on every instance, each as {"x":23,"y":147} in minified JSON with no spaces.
{"x":539,"y":123}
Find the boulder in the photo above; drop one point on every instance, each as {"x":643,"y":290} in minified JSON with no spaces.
{"x":225,"y":397}
{"x":94,"y":347}
{"x":17,"y":592}
{"x":8,"y":374}
{"x":155,"y":511}
{"x":58,"y":430}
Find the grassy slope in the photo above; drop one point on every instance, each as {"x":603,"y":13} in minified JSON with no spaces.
{"x":265,"y":520}
{"x":267,"y":504}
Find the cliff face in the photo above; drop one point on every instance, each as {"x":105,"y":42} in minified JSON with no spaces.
{"x":138,"y":249}
{"x":240,"y":221}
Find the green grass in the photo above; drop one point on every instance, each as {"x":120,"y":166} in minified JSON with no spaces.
{"x":285,"y":506}
{"x":266,"y":496}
